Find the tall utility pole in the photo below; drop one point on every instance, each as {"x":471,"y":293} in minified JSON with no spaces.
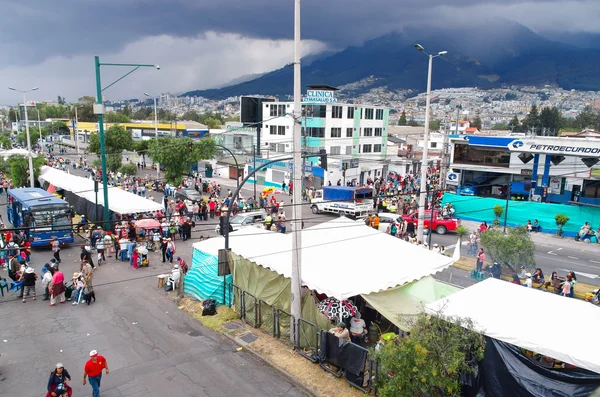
{"x":445,"y":159}
{"x":425,"y":160}
{"x":155,"y":133}
{"x":24,"y":92}
{"x":76,"y":128}
{"x":296,"y":303}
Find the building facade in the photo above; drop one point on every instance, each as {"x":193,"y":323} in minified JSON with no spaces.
{"x":343,"y":130}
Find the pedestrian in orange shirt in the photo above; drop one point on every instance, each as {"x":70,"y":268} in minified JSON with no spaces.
{"x":93,"y":371}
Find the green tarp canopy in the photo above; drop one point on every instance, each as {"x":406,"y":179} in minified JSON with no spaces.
{"x":401,"y":304}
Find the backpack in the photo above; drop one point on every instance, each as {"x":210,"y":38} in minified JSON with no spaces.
{"x":393,"y":229}
{"x":11,"y":249}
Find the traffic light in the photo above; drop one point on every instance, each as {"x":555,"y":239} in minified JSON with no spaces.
{"x":190,"y":147}
{"x":323,"y":156}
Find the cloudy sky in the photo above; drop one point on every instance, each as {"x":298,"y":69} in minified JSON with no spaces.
{"x":203,"y":44}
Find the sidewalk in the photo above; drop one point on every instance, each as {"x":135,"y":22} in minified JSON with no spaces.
{"x":547,"y":239}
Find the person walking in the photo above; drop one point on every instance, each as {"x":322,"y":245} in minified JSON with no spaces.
{"x":46,"y":280}
{"x":93,"y":371}
{"x":29,"y":278}
{"x":57,"y":382}
{"x":57,"y":286}
{"x":56,"y":249}
{"x":87,"y":271}
{"x":480,"y":260}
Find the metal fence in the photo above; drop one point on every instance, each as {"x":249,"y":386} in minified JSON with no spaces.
{"x":281,"y":325}
{"x":267,"y":317}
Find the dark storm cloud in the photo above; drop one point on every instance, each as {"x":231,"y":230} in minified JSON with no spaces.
{"x":40,"y":28}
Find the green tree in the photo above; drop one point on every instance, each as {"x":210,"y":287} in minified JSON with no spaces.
{"x":19,"y":169}
{"x":5,"y":142}
{"x":115,"y":117}
{"x":116,"y":140}
{"x":512,"y":250}
{"x":532,"y":121}
{"x":128,"y":169}
{"x":550,"y":121}
{"x":560,"y":220}
{"x":191,"y":115}
{"x":85,"y":109}
{"x":402,"y":120}
{"x":498,"y":210}
{"x":179,"y":154}
{"x":501,"y":126}
{"x":143,"y":113}
{"x":434,"y":125}
{"x":34,"y":136}
{"x":432,"y":357}
{"x":588,"y":118}
{"x":515,"y":124}
{"x":476,"y":123}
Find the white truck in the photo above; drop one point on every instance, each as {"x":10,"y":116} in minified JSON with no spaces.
{"x":343,"y":200}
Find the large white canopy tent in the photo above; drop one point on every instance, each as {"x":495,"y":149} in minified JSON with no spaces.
{"x":340,"y":258}
{"x":545,"y":323}
{"x":120,"y":201}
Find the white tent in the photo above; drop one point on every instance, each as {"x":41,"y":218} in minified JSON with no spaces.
{"x":340,"y":258}
{"x":5,"y":154}
{"x":120,"y":201}
{"x":552,"y":325}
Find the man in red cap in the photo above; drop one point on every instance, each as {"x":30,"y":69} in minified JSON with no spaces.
{"x":93,"y":371}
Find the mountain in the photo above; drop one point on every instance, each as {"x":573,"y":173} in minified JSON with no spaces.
{"x":577,"y":39}
{"x":486,"y":55}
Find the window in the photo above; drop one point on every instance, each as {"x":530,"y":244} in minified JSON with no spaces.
{"x":467,"y":154}
{"x":348,"y":150}
{"x":272,"y":147}
{"x":350,"y":112}
{"x":335,"y":150}
{"x":281,"y":148}
{"x":315,"y":111}
{"x":349,"y":132}
{"x":433,"y":145}
{"x":367,"y":131}
{"x":277,"y":110}
{"x":591,"y":189}
{"x":368,"y":114}
{"x":315,"y":132}
{"x":336,"y":132}
{"x":277,"y":130}
{"x":336,"y":112}
{"x":377,"y":148}
{"x":379,"y":114}
{"x":378,"y":131}
{"x":367,"y":148}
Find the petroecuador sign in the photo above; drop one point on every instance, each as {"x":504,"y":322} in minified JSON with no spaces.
{"x":320,"y":96}
{"x":557,"y":146}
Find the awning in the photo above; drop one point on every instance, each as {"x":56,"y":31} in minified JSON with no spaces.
{"x":120,"y":201}
{"x":542,"y":322}
{"x":401,"y":305}
{"x":340,"y":258}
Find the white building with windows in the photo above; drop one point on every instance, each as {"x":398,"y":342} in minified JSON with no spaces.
{"x":345,"y":131}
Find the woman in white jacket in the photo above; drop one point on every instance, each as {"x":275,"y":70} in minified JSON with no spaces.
{"x":47,"y":272}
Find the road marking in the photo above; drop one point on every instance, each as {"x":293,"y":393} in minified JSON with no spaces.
{"x":552,"y":253}
{"x":559,"y":249}
{"x":593,"y":261}
{"x":454,"y":245}
{"x":588,"y":275}
{"x":572,"y":257}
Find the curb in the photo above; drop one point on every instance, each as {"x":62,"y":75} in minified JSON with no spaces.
{"x":291,"y":378}
{"x":579,"y":294}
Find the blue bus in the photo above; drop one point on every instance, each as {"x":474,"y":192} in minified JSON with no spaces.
{"x":46,"y":215}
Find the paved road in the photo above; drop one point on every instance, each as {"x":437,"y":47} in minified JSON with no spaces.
{"x":153,"y":348}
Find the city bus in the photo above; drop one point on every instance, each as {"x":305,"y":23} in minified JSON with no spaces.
{"x":46,"y":215}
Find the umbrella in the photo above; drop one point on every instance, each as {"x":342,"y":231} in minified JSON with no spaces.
{"x":147,"y":224}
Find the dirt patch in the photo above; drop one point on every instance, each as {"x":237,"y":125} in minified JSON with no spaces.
{"x":194,"y":309}
{"x":312,"y":376}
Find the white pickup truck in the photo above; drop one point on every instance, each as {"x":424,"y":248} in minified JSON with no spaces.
{"x":343,"y":200}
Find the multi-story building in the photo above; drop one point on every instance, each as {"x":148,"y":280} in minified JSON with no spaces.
{"x":343,"y":130}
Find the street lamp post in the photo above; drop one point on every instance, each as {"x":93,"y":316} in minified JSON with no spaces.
{"x":424,"y":161}
{"x":40,"y":130}
{"x":155,"y":132}
{"x":99,"y":110}
{"x":24,"y":92}
{"x":76,"y":131}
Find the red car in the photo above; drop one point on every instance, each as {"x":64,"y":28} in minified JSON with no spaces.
{"x":440,"y":225}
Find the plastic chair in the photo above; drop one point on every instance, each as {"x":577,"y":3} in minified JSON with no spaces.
{"x":3,"y":285}
{"x":15,"y":286}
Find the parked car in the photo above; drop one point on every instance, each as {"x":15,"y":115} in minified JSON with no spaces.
{"x":189,"y":194}
{"x":386,"y":218}
{"x":245,"y":219}
{"x":440,"y":225}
